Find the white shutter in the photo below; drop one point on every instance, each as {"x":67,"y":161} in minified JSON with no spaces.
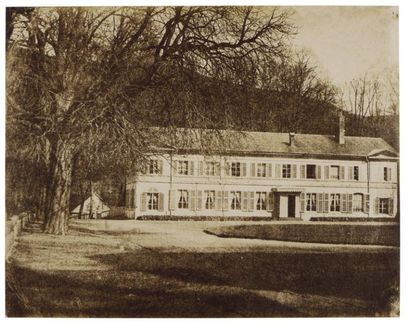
{"x":318,"y":172}
{"x":302,"y":202}
{"x":225,"y":204}
{"x":326,"y":203}
{"x":350,"y":173}
{"x":269,"y":169}
{"x":303,"y":171}
{"x":219,"y":200}
{"x":278,"y":171}
{"x":143,"y":202}
{"x":391,"y":206}
{"x":245,"y":201}
{"x":172,"y":199}
{"x":251,"y":203}
{"x":366,"y":205}
{"x":271,"y":199}
{"x":327,"y":172}
{"x":201,"y":168}
{"x":342,"y":172}
{"x":344,"y":203}
{"x":349,"y":203}
{"x":293,"y":171}
{"x":243,"y":170}
{"x":199,"y":200}
{"x":376,"y":205}
{"x":161,"y":202}
{"x":320,"y":203}
{"x":253,"y":170}
{"x":191,"y":167}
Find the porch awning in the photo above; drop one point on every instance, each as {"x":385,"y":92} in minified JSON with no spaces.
{"x":288,"y":189}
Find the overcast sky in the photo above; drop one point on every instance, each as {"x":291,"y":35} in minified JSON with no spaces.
{"x":347,"y":42}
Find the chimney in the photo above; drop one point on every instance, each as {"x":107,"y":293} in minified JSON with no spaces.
{"x":291,"y":138}
{"x":340,"y":136}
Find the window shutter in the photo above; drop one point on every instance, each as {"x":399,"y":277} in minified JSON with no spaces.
{"x":161,"y":202}
{"x":243,"y":169}
{"x":228,"y":169}
{"x":389,"y":174}
{"x":175,"y":167}
{"x":302,"y":202}
{"x":320,"y":203}
{"x":191,"y":200}
{"x":191,"y":168}
{"x":271,"y":198}
{"x":327,"y":172}
{"x":245,"y":201}
{"x":132,"y":198}
{"x":326,"y":203}
{"x":251,"y":204}
{"x":143,"y":202}
{"x":303,"y":171}
{"x":218,"y":169}
{"x":201,"y":168}
{"x":344,"y":203}
{"x":318,"y":172}
{"x":376,"y":205}
{"x":350,"y":177}
{"x":293,"y":172}
{"x":172,"y":200}
{"x":342,"y":172}
{"x":253,"y":170}
{"x":225,"y":201}
{"x":219,"y":200}
{"x":350,"y":203}
{"x":199,"y":200}
{"x":269,"y":169}
{"x":391,"y":206}
{"x":366,"y":200}
{"x":277,"y":171}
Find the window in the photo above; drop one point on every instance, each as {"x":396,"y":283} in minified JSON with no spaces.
{"x":384,"y":205}
{"x":335,"y":202}
{"x":210,"y":168}
{"x":210,"y":199}
{"x":311,"y":171}
{"x":183,"y":199}
{"x":260,"y":201}
{"x":153,"y":166}
{"x":286,"y":170}
{"x":236,"y":169}
{"x":261,"y":170}
{"x":334,"y":172}
{"x":356,"y":173}
{"x":183,"y":167}
{"x":357,"y":202}
{"x":387,"y":173}
{"x":153,"y":201}
{"x":235,"y":200}
{"x":310,"y":202}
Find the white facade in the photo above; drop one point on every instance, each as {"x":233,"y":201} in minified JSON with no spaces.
{"x":277,"y":187}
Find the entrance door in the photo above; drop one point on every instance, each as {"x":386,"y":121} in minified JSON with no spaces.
{"x":291,"y":206}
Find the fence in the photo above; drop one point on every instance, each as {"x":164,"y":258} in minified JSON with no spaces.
{"x":117,"y":211}
{"x":13,"y":228}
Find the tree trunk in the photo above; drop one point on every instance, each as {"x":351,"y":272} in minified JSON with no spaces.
{"x":59,"y":188}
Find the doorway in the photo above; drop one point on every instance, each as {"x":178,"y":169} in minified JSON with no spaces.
{"x":291,"y":206}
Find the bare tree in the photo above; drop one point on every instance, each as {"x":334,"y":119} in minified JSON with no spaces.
{"x":79,"y":80}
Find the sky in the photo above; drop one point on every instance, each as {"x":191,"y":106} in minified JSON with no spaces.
{"x":347,"y":42}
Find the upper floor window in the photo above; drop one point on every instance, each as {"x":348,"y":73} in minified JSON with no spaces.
{"x":182,"y":167}
{"x":356,"y":173}
{"x":183,"y":199}
{"x":153,"y":166}
{"x":236,"y":169}
{"x":260,"y":201}
{"x":261,"y":170}
{"x":153,"y":201}
{"x":210,"y":199}
{"x":387,"y":173}
{"x":210,"y":168}
{"x":235,"y":200}
{"x":334,"y":172}
{"x":310,"y":202}
{"x":335,"y":202}
{"x":310,"y":171}
{"x":286,"y":170}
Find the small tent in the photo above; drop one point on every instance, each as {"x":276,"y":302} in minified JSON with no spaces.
{"x":93,"y":204}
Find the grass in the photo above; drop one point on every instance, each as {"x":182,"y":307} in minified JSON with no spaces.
{"x":107,"y":273}
{"x":349,"y":233}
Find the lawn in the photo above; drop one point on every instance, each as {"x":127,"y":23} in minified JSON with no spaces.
{"x":95,"y":272}
{"x":334,"y":233}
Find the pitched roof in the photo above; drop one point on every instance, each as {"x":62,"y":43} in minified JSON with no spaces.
{"x":278,"y":143}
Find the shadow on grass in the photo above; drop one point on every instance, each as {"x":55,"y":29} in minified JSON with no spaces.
{"x":159,"y":284}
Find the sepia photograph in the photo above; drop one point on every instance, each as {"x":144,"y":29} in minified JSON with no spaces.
{"x":202,"y":161}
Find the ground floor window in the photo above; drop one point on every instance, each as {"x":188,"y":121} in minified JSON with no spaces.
{"x":210,"y":199}
{"x":310,"y":202}
{"x":335,"y":202}
{"x":183,"y":199}
{"x":153,"y":200}
{"x":260,"y":201}
{"x":358,"y":202}
{"x":384,"y":205}
{"x":235,"y":200}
